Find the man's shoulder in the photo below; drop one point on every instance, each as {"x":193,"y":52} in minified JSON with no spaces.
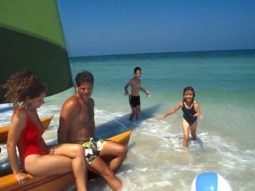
{"x":91,"y":100}
{"x":91,"y":103}
{"x":72,"y":102}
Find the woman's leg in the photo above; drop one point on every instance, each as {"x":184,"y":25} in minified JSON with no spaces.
{"x":63,"y":158}
{"x":185,"y":128}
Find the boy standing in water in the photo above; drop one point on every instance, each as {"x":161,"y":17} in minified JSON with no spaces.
{"x":134,"y":98}
{"x":191,"y":112}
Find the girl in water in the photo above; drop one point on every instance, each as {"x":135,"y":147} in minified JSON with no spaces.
{"x":27,"y":93}
{"x":191,"y":111}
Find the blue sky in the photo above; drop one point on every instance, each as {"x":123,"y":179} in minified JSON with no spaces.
{"x":108,"y":27}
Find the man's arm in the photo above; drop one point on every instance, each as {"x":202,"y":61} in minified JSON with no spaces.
{"x":67,"y":115}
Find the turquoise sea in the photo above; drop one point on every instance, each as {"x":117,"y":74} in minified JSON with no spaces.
{"x":224,"y":82}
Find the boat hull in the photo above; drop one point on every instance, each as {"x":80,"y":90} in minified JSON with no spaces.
{"x":4,"y":129}
{"x":52,"y":183}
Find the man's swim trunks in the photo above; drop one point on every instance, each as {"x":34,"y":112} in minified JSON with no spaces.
{"x":92,"y":148}
{"x":188,"y":114}
{"x":134,"y":101}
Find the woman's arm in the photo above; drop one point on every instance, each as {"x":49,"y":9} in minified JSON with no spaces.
{"x":18,"y":123}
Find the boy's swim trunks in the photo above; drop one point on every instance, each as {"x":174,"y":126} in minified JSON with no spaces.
{"x":134,"y":101}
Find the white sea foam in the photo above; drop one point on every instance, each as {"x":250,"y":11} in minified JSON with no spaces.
{"x":156,"y":159}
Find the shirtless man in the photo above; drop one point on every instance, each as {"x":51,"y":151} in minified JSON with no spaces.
{"x":134,"y":98}
{"x":77,"y":124}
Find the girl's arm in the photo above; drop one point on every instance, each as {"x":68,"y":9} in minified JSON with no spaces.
{"x":198,"y":111}
{"x":17,"y":125}
{"x":171,"y":111}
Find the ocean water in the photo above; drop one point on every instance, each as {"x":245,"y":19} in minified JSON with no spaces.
{"x":224,"y":82}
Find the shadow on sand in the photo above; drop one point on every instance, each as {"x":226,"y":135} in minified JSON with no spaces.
{"x":121,"y":124}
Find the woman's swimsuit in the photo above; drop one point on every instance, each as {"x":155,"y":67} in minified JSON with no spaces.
{"x":188,"y":114}
{"x":30,"y":140}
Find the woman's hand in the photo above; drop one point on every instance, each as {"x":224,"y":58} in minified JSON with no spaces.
{"x":21,"y":177}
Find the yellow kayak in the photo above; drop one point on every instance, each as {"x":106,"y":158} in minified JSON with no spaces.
{"x":4,"y":129}
{"x":52,"y":183}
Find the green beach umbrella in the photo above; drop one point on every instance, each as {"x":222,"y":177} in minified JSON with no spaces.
{"x":31,"y":38}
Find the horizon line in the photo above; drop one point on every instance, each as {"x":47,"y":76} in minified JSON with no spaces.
{"x":174,"y":52}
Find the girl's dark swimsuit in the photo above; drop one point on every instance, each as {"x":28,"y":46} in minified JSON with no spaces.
{"x":188,"y":114}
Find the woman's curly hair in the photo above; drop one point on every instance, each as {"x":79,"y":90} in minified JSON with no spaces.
{"x":23,"y":85}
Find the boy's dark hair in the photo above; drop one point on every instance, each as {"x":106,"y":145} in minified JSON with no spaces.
{"x":84,"y":76}
{"x":137,"y":68}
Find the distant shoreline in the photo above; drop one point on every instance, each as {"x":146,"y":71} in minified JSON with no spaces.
{"x":153,"y":54}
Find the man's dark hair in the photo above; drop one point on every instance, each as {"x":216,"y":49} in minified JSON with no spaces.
{"x":84,"y":76}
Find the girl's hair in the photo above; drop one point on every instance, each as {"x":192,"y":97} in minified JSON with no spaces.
{"x":23,"y":85}
{"x":189,"y":88}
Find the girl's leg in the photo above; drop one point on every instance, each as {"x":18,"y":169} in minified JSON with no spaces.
{"x":193,"y":129}
{"x":185,"y":128}
{"x":100,"y":167}
{"x":64,"y":158}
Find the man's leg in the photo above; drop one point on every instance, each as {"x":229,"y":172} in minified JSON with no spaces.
{"x":116,"y":152}
{"x":99,"y":167}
